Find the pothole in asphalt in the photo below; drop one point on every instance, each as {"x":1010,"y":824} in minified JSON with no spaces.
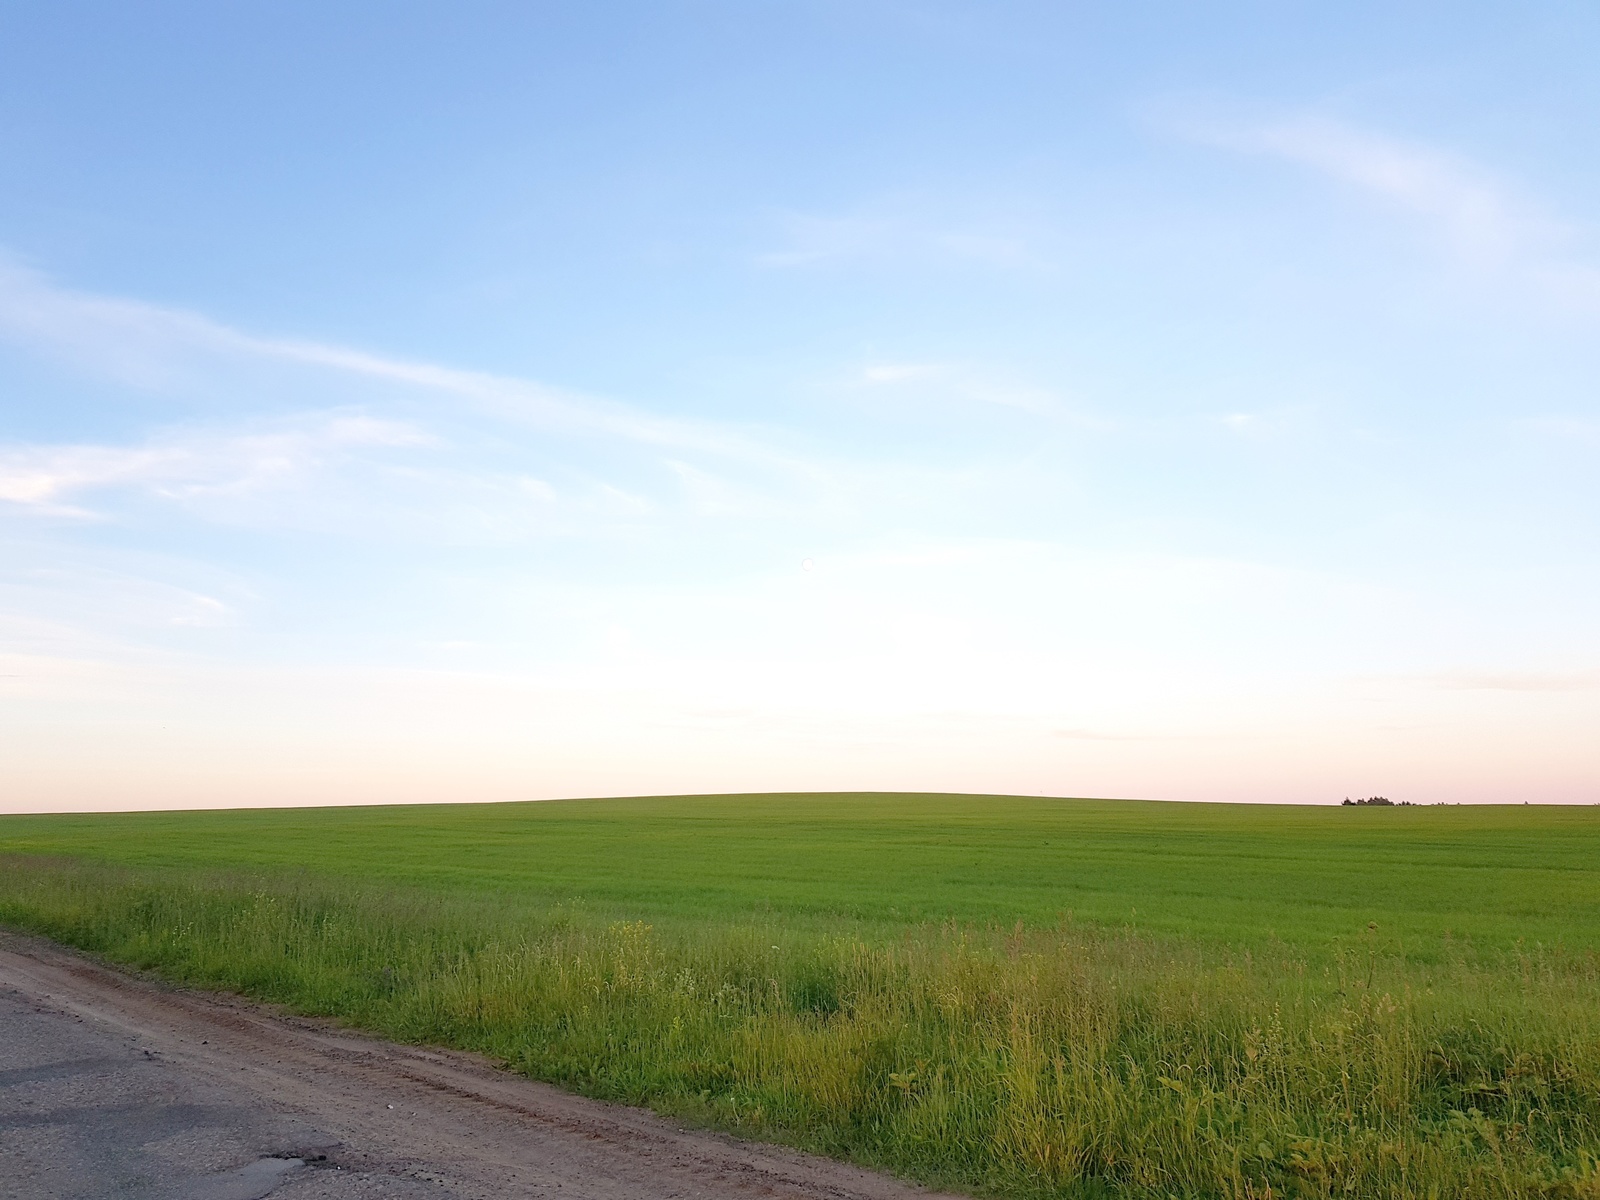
{"x":249,"y":1182}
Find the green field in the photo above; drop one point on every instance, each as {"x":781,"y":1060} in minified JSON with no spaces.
{"x":1011,"y":995}
{"x":1236,"y":873}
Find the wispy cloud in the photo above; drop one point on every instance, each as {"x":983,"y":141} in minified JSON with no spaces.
{"x":1479,"y":214}
{"x":75,"y":608}
{"x":148,"y":345}
{"x":186,"y":464}
{"x":337,"y":467}
{"x":1487,"y":221}
{"x":346,"y":474}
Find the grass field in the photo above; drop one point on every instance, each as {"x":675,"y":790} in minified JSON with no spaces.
{"x":1242,"y":874}
{"x":1012,"y":995}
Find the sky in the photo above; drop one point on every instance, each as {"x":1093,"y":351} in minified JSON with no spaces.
{"x":452,"y":402}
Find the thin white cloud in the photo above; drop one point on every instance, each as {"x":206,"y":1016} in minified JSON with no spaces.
{"x":1477,"y":213}
{"x":1486,"y":220}
{"x":153,"y":345}
{"x":148,"y":345}
{"x":333,"y":473}
{"x":188,"y":464}
{"x":75,"y":607}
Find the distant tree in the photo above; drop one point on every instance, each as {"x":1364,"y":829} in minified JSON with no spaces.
{"x":1381,"y":801}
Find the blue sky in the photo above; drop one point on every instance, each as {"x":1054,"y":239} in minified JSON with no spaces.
{"x":410,"y":402}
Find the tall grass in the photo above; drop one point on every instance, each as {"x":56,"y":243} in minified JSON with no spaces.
{"x":1059,"y":1061}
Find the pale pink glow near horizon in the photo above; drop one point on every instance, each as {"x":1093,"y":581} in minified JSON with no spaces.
{"x":980,"y":666}
{"x":182,"y":738}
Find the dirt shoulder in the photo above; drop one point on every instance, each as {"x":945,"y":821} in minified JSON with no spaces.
{"x":114,"y":1084}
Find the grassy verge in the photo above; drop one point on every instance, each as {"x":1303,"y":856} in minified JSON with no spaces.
{"x":1047,"y":1060}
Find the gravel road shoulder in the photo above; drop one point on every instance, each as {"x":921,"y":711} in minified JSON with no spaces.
{"x":114,"y":1085}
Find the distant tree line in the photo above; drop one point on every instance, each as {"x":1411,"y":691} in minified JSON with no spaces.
{"x":1380,"y":800}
